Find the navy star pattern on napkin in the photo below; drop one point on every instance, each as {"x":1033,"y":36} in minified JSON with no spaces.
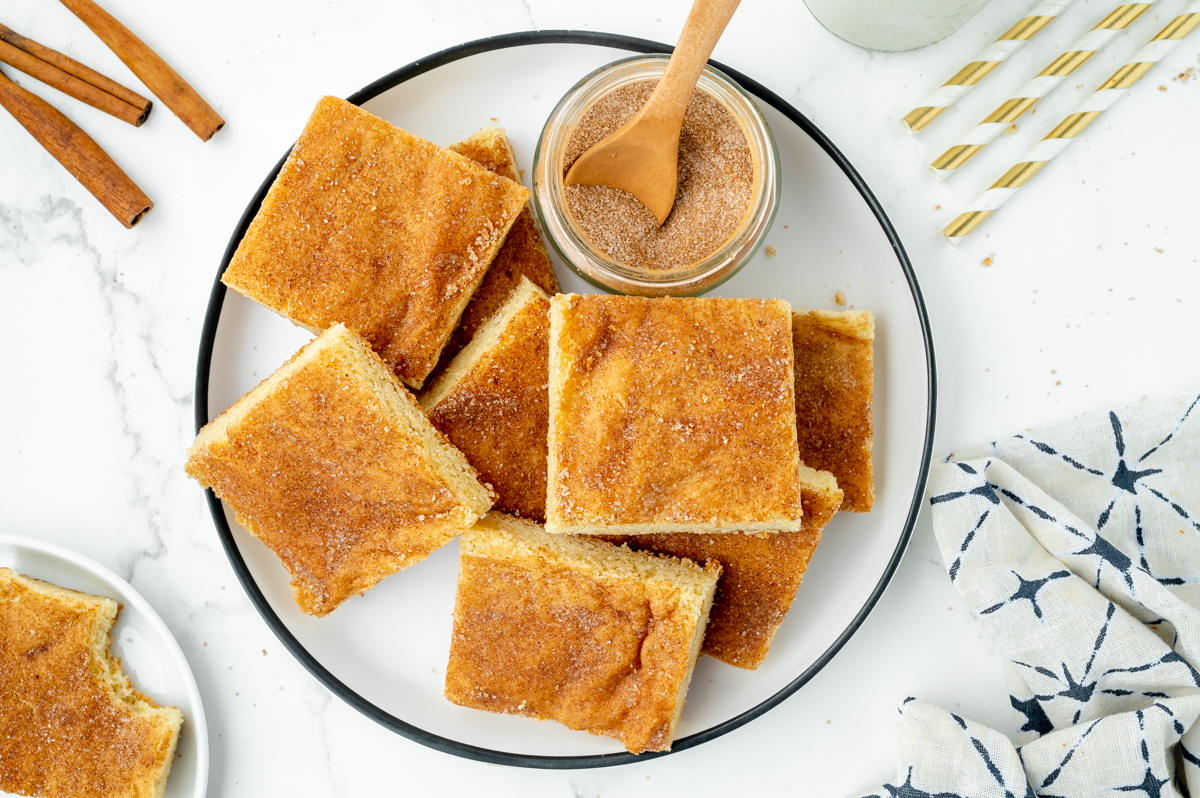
{"x":1078,"y":547}
{"x":1131,"y":481}
{"x":1080,"y":691}
{"x":984,"y":758}
{"x":1035,"y":718}
{"x":1027,"y":590}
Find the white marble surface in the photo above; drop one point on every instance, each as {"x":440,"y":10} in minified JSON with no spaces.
{"x":1091,"y":299}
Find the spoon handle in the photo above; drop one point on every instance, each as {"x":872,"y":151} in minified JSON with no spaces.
{"x":704,"y":26}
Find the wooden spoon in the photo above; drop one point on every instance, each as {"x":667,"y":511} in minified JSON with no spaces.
{"x":642,"y":156}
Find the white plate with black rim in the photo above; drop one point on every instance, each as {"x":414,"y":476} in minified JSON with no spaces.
{"x":149,"y":654}
{"x":385,"y":652}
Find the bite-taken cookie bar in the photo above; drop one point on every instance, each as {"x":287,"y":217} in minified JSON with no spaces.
{"x":760,"y":572}
{"x":582,"y":632}
{"x":834,"y":377}
{"x":71,"y":724}
{"x":491,"y":402}
{"x":521,"y":256}
{"x":671,"y":415}
{"x":331,"y":463}
{"x":380,"y":230}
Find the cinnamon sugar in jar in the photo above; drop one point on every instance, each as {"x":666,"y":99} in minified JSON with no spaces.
{"x":725,"y":202}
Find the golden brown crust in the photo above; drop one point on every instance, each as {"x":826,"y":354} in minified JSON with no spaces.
{"x":671,"y":415}
{"x":378,"y":229}
{"x":495,"y":410}
{"x":522,"y":254}
{"x":70,"y":722}
{"x":489,"y":147}
{"x":590,"y":635}
{"x":333,"y":466}
{"x":760,"y":573}
{"x":834,"y":380}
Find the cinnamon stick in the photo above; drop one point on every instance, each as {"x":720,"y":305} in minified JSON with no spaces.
{"x":74,"y":68}
{"x":72,"y":78}
{"x":164,"y":82}
{"x":75,"y":150}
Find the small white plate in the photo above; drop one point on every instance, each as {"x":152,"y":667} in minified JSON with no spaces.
{"x":385,"y":652}
{"x":149,"y":654}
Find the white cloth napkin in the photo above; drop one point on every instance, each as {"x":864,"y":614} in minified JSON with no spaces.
{"x":1078,"y":546}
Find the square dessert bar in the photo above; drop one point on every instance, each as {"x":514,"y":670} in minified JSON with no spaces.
{"x":834,"y":376}
{"x":491,"y":402}
{"x":760,"y":572}
{"x":331,"y":463}
{"x":582,"y":632}
{"x":671,"y":415}
{"x":375,"y":228}
{"x":521,"y":256}
{"x":71,"y":723}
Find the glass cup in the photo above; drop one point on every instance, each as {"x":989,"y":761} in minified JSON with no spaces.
{"x":893,"y":25}
{"x":594,"y":265}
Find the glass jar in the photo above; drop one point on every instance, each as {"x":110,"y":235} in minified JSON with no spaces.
{"x":597,"y":267}
{"x":893,"y":25}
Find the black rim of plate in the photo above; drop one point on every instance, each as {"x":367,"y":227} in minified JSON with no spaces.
{"x":386,"y":719}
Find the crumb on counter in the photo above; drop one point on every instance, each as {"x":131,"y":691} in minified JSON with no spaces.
{"x":840,"y":298}
{"x":770,"y":251}
{"x":989,"y":259}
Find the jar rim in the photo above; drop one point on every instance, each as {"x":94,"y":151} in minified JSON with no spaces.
{"x":596,"y":266}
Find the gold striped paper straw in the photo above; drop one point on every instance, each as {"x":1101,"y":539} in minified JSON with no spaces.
{"x":1044,"y":83}
{"x":1012,"y":40}
{"x":1093,"y":105}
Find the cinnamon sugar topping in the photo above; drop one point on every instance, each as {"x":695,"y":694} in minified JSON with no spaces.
{"x":716,"y":177}
{"x":671,"y":415}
